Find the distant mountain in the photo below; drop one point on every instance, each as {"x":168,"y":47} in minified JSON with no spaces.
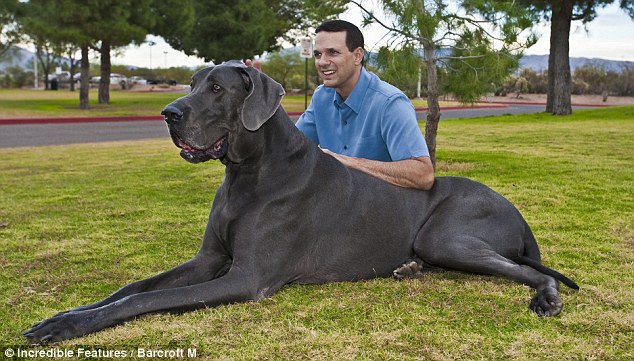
{"x":17,"y":56}
{"x":540,"y":62}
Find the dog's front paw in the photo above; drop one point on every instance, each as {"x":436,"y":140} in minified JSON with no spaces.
{"x":58,"y":328}
{"x":547,"y":302}
{"x":408,"y":270}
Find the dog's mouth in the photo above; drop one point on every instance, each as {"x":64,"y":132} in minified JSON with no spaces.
{"x":193,"y":155}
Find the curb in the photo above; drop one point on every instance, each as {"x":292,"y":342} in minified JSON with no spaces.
{"x":60,"y":120}
{"x":124,"y":118}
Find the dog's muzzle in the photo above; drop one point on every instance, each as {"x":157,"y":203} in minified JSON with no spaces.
{"x":217,"y":151}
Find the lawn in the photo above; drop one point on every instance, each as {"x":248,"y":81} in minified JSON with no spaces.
{"x":84,"y":220}
{"x":25,"y":103}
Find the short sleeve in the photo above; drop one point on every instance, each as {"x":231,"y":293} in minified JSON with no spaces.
{"x":400,"y":130}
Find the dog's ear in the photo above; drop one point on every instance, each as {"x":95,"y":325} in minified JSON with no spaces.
{"x":263,"y":99}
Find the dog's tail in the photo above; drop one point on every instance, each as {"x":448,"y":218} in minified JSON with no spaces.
{"x":545,"y":270}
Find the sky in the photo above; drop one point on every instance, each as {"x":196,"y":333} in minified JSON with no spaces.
{"x":609,"y":36}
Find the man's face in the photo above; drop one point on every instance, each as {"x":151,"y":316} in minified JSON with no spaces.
{"x":338,"y":67}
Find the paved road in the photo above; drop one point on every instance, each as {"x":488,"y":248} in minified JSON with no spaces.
{"x":29,"y":135}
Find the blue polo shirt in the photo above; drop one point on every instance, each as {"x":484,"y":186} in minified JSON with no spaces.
{"x":376,"y":122}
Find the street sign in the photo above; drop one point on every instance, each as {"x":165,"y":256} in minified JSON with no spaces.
{"x":307,"y":48}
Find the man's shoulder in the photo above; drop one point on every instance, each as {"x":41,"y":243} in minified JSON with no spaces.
{"x":382,"y":88}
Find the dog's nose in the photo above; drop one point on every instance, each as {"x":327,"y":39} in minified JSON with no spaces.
{"x":172,"y":114}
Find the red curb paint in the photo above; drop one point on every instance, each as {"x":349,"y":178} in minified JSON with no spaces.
{"x":79,"y":119}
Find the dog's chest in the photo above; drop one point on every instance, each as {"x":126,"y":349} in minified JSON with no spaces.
{"x":231,"y":211}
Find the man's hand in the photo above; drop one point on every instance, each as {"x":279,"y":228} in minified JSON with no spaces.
{"x":409,"y":173}
{"x":256,"y":64}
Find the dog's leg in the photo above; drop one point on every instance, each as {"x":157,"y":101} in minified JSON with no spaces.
{"x":197,"y":270}
{"x":235,"y":286}
{"x":475,"y":256}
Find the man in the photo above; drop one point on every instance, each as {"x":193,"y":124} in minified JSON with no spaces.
{"x":357,"y":118}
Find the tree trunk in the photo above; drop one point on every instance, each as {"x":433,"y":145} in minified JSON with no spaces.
{"x":433,"y":113}
{"x":559,"y":78}
{"x":73,"y":68}
{"x":104,"y":83}
{"x":46,"y":66}
{"x":84,"y":86}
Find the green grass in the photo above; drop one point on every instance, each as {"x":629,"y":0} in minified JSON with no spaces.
{"x":24,"y":103}
{"x":87,"y":219}
{"x":38,"y":103}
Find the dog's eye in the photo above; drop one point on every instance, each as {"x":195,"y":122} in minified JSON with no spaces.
{"x":215,"y":88}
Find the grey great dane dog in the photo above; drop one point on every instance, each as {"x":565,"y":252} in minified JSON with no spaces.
{"x":287,"y":212}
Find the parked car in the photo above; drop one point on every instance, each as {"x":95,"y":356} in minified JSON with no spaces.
{"x":63,"y":76}
{"x":115,"y":79}
{"x":137,"y":80}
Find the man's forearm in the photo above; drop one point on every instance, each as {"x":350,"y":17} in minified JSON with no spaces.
{"x":409,"y":173}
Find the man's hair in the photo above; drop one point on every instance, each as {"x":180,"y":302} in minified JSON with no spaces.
{"x":354,"y":37}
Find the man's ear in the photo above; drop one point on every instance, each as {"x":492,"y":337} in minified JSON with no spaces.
{"x":263,"y":99}
{"x":358,"y":54}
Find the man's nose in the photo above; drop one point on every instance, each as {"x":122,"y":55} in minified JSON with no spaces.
{"x":322,"y":61}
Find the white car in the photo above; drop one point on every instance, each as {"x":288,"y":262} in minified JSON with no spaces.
{"x":115,"y":79}
{"x":137,"y":80}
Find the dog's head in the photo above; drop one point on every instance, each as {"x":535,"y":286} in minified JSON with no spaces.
{"x":225,"y":101}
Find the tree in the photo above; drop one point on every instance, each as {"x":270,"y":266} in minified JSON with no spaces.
{"x":469,"y":37}
{"x":240,"y":29}
{"x":399,"y":67}
{"x":103,"y":25}
{"x":561,"y":13}
{"x":115,"y":24}
{"x":283,"y":66}
{"x":60,"y":27}
{"x":33,"y":18}
{"x":9,"y":35}
{"x":118,"y":23}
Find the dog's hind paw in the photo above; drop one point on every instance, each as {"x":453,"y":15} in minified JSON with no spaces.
{"x":547,"y":302}
{"x":408,"y":270}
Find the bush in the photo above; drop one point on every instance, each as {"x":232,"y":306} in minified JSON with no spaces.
{"x":15,"y":77}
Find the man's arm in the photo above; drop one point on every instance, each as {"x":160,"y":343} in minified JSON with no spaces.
{"x":409,"y":173}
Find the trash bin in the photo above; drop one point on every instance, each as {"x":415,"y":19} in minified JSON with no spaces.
{"x":54,"y":84}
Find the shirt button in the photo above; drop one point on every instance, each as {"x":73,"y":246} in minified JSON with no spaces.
{"x":345,"y":147}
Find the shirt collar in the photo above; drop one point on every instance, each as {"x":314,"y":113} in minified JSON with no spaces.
{"x":355,"y":99}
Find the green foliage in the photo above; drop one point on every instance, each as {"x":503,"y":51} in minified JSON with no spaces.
{"x":15,"y":77}
{"x":599,"y":80}
{"x":400,"y":68}
{"x":240,"y":29}
{"x":288,"y":69}
{"x":9,"y":34}
{"x":474,"y":67}
{"x":587,"y":79}
{"x":584,"y":10}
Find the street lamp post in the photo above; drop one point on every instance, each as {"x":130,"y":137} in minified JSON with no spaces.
{"x":151,"y":44}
